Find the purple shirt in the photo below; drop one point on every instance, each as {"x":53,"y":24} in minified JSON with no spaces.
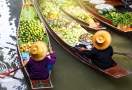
{"x":38,"y":69}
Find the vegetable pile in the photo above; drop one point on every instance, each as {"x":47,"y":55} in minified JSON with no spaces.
{"x":120,"y":18}
{"x":73,"y":9}
{"x":116,"y":18}
{"x":106,"y":11}
{"x":67,"y":29}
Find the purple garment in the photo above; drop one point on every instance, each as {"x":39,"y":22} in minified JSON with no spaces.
{"x":38,"y":69}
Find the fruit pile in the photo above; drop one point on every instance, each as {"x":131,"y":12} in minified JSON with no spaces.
{"x":25,"y":47}
{"x":31,"y":31}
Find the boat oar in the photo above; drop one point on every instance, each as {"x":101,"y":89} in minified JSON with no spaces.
{"x":7,"y":73}
{"x":125,"y":54}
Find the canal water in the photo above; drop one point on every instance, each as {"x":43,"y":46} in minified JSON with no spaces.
{"x":68,"y":73}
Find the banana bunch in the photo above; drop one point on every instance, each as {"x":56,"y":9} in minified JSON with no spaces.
{"x":25,"y":47}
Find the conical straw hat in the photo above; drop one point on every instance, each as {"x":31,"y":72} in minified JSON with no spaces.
{"x":101,"y":39}
{"x":38,"y":51}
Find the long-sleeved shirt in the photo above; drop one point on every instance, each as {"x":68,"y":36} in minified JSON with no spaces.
{"x":38,"y":69}
{"x":100,"y":58}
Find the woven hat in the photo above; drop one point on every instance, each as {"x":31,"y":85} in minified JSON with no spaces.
{"x":38,"y":51}
{"x":101,"y":39}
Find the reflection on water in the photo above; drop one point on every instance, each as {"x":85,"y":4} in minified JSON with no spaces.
{"x":8,"y":51}
{"x":3,"y":67}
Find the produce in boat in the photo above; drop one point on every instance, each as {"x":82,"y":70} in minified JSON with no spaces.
{"x":67,"y":29}
{"x":115,"y":71}
{"x":72,"y":8}
{"x":110,"y":17}
{"x":30,"y":30}
{"x":106,"y":11}
{"x":118,"y":19}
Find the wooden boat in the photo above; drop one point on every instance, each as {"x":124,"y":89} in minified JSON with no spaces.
{"x":28,"y":18}
{"x":91,"y":9}
{"x":79,"y":20}
{"x":115,"y":71}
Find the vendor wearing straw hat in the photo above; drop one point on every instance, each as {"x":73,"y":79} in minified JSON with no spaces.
{"x":101,"y":54}
{"x":37,"y":63}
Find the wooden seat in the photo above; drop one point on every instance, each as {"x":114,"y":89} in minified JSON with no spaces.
{"x":117,"y":71}
{"x":40,"y":83}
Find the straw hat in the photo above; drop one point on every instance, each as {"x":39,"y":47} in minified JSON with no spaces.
{"x":101,"y":40}
{"x":38,"y":51}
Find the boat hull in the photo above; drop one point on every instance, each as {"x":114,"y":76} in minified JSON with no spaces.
{"x":80,"y":21}
{"x":84,"y":24}
{"x":107,"y":22}
{"x":35,"y":84}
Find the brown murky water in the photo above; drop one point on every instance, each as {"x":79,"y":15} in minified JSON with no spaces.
{"x":68,"y":73}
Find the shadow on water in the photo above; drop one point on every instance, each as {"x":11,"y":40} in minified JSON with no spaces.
{"x":15,"y":10}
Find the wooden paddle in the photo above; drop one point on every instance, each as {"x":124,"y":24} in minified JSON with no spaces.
{"x":125,"y":54}
{"x":7,"y":73}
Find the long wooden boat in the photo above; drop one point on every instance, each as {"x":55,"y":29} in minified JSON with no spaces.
{"x":115,"y":71}
{"x":31,"y":29}
{"x":91,"y":9}
{"x":78,"y":14}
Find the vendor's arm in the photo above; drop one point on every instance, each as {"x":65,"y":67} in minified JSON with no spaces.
{"x":81,"y":48}
{"x":52,"y":57}
{"x":87,"y":52}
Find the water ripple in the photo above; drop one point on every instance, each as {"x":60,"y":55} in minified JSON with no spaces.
{"x":8,"y":49}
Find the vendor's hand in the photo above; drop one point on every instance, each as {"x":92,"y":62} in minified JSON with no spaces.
{"x":81,"y":48}
{"x":25,"y":62}
{"x":51,"y":51}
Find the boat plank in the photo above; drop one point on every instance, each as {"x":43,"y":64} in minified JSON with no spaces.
{"x":40,"y":83}
{"x":113,"y":72}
